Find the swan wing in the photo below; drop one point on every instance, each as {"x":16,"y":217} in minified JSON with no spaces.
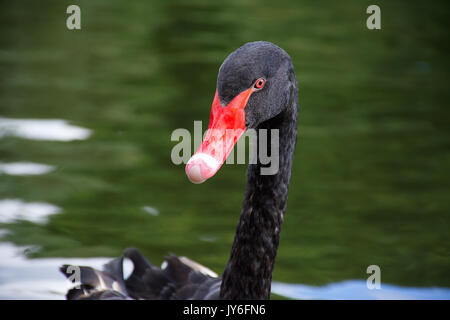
{"x":179,"y":278}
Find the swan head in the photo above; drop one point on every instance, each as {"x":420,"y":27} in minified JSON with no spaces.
{"x":254,"y":85}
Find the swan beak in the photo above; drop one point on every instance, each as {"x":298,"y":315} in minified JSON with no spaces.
{"x":226,"y":125}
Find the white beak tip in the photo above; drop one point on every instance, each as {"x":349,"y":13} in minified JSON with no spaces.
{"x":195,"y":175}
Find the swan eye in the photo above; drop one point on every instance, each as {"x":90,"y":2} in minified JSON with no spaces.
{"x":259,"y":84}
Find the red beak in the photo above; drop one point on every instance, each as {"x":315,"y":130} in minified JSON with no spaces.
{"x":226,"y":125}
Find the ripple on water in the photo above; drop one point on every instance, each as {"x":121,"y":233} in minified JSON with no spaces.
{"x":16,"y":209}
{"x":151,"y":210}
{"x":357,"y":290}
{"x":42,"y":129}
{"x":24,"y":168}
{"x":22,"y":278}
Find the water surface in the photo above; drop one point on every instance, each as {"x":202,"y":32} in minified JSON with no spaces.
{"x":97,"y":106}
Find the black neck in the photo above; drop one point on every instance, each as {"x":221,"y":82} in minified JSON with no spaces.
{"x":248,"y":274}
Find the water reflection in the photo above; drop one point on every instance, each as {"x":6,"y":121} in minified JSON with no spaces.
{"x":151,"y":210}
{"x":24,"y":168}
{"x":15,"y":209}
{"x":21,"y":278}
{"x":357,"y":290}
{"x":56,"y":130}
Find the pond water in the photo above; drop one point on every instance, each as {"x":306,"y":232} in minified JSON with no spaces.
{"x":22,"y":278}
{"x":86,"y":118}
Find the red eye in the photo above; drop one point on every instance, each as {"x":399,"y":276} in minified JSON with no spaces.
{"x":259,"y":83}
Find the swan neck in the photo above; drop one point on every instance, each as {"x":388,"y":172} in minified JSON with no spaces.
{"x":248,"y":274}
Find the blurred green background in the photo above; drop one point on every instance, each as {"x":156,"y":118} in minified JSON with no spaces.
{"x":370,"y":182}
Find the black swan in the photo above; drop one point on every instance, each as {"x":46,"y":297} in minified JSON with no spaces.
{"x":256,"y":88}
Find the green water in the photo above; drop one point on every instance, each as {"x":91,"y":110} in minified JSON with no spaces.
{"x":370,"y":182}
